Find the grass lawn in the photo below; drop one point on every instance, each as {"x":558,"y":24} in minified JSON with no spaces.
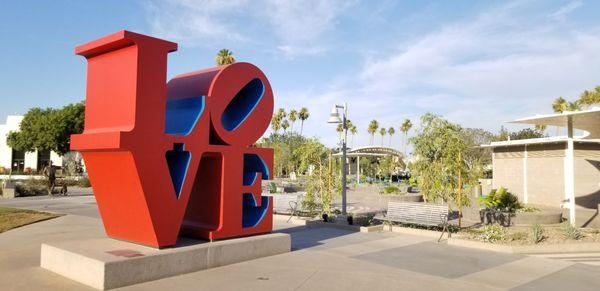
{"x":11,"y":217}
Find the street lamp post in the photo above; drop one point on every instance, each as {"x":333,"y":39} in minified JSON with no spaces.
{"x":335,"y":118}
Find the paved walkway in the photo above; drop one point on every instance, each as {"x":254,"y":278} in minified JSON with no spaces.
{"x":322,"y":258}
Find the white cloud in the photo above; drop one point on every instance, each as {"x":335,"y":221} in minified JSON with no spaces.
{"x":299,"y":27}
{"x":480,"y":72}
{"x":566,"y":9}
{"x":194,"y":22}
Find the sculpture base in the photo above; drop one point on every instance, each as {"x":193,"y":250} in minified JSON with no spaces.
{"x":108,"y":263}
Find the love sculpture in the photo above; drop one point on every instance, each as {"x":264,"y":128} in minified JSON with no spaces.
{"x":171,"y":158}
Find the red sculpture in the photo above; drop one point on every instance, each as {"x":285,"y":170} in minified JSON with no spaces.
{"x":177,"y":157}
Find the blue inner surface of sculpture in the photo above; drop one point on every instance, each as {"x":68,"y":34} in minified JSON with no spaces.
{"x":242,"y":105}
{"x":183,"y":114}
{"x":178,"y":161}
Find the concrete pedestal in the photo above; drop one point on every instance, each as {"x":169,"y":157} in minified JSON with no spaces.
{"x":107,"y":263}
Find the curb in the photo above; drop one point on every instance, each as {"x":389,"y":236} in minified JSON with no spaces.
{"x":414,"y":231}
{"x":355,"y":228}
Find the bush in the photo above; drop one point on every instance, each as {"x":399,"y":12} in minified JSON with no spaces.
{"x":492,"y":233}
{"x":537,"y":234}
{"x":390,"y":189}
{"x":272,"y":187}
{"x":32,"y":187}
{"x":571,"y":232}
{"x":84,"y":182}
{"x":502,"y":200}
{"x":518,"y":236}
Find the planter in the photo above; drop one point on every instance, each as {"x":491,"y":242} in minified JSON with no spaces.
{"x":8,"y":189}
{"x":411,"y":197}
{"x":356,"y":228}
{"x":414,"y":231}
{"x":545,"y":216}
{"x":542,"y":217}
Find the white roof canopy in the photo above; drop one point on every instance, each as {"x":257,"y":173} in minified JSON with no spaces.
{"x":587,"y":120}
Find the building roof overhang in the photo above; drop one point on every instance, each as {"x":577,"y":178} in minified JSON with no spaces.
{"x":586,"y":120}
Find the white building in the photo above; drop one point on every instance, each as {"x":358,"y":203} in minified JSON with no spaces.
{"x":18,"y":161}
{"x":559,"y":171}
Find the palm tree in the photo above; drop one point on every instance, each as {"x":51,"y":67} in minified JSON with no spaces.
{"x":373,"y":126}
{"x":574,"y":106}
{"x":353,"y":131}
{"x":541,"y":128}
{"x":391,"y":132}
{"x":382,"y":131}
{"x":405,"y":127}
{"x":292,"y":116}
{"x":285,"y":124}
{"x":559,"y":105}
{"x":590,"y":97}
{"x":340,"y":130}
{"x":224,"y":57}
{"x":281,"y":113}
{"x":303,"y":115}
{"x":275,"y":123}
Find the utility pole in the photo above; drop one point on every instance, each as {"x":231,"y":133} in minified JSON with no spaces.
{"x":459,"y":190}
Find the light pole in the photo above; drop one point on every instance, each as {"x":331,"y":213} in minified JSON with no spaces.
{"x":334,"y":117}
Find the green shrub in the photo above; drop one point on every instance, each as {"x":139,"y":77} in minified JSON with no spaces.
{"x":537,"y":234}
{"x":368,"y":219}
{"x":84,"y":182}
{"x":390,"y":189}
{"x":32,"y":187}
{"x":518,"y":236}
{"x":571,"y":232}
{"x":502,"y":200}
{"x":272,"y":187}
{"x":492,"y":233}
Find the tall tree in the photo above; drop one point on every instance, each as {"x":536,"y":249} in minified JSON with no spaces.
{"x":275,"y":123}
{"x":382,"y":131}
{"x":443,"y":153}
{"x":541,"y":128}
{"x":391,"y":132}
{"x":373,"y":126}
{"x":405,"y":127}
{"x":48,"y":129}
{"x":281,"y":113}
{"x":224,"y":57}
{"x":340,"y":130}
{"x":285,"y":124}
{"x":590,"y":97}
{"x":353,"y":131}
{"x":560,"y":105}
{"x":303,"y":115}
{"x":292,"y":116}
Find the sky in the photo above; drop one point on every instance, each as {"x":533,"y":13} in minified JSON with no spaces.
{"x":476,"y":63}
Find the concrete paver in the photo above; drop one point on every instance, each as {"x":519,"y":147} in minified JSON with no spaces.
{"x":322,"y":258}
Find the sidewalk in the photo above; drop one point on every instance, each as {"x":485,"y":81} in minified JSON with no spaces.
{"x":322,"y":258}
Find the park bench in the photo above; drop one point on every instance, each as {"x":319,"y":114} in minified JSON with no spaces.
{"x":419,"y":213}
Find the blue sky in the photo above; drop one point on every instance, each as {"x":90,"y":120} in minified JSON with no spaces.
{"x":478,"y":63}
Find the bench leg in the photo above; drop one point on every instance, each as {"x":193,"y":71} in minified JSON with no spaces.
{"x":293,"y":210}
{"x":443,"y":230}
